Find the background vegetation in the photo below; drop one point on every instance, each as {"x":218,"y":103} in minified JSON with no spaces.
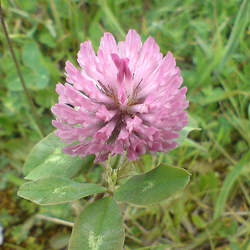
{"x":208,"y":39}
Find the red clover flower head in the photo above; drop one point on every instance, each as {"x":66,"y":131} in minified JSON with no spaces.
{"x":125,"y":98}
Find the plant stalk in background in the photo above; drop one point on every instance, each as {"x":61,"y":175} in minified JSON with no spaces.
{"x":28,"y":96}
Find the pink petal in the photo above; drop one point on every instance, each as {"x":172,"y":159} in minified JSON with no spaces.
{"x":104,"y":114}
{"x":131,"y":48}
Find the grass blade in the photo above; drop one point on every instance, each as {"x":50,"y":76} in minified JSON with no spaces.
{"x":237,"y":31}
{"x":227,"y":185}
{"x":111,"y":18}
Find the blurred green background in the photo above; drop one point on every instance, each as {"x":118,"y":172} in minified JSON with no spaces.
{"x":209,"y":41}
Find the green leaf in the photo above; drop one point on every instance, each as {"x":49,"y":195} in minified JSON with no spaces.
{"x":31,"y":55}
{"x":47,"y":158}
{"x":47,"y":39}
{"x":34,"y":80}
{"x":227,"y":185}
{"x":38,"y":76}
{"x":192,"y":125}
{"x":153,"y":186}
{"x":99,"y":227}
{"x":55,"y":190}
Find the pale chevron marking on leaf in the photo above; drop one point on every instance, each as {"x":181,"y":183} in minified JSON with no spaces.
{"x":148,"y":185}
{"x":60,"y":190}
{"x":95,"y":241}
{"x":55,"y":157}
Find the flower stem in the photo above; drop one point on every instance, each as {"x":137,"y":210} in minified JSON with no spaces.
{"x":28,"y":96}
{"x":55,"y":220}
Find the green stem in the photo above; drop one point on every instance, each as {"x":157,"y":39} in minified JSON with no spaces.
{"x":55,"y":220}
{"x":28,"y":96}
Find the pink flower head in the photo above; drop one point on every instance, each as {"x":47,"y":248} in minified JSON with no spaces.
{"x":125,"y":98}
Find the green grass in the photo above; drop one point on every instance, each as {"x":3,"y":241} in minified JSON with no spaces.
{"x":209,"y":40}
